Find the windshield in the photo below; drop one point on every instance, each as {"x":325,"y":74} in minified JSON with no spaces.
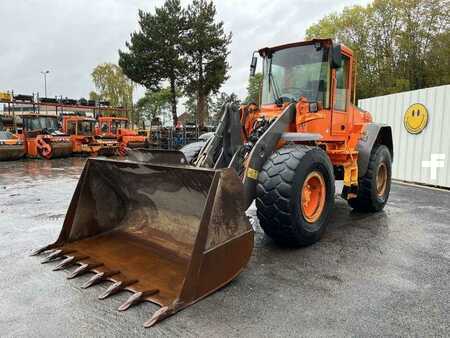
{"x":295,"y":72}
{"x":86,"y":128}
{"x":118,"y":124}
{"x":41,"y":122}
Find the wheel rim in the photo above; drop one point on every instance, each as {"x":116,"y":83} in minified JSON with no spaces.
{"x":381,"y":179}
{"x":313,"y":196}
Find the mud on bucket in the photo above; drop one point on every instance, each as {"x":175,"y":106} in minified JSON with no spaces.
{"x":169,"y":234}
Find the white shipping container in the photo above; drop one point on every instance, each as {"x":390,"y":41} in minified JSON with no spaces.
{"x":415,"y":155}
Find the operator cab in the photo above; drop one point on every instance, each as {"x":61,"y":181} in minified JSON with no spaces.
{"x":316,"y":72}
{"x":112,"y":125}
{"x":34,"y":124}
{"x":80,"y":126}
{"x":303,"y":70}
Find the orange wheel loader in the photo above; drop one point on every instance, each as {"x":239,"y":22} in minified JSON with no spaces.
{"x":42,"y":137}
{"x":173,"y":234}
{"x":111,"y":127}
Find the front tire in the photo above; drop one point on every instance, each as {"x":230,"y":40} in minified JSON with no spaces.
{"x":295,"y":195}
{"x":375,"y":185}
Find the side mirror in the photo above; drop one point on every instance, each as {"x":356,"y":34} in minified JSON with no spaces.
{"x":253,"y":65}
{"x":336,"y":56}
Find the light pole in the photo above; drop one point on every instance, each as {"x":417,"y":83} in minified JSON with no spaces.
{"x":45,"y":84}
{"x":45,"y":80}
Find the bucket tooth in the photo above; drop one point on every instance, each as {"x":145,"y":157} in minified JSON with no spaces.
{"x":98,"y":278}
{"x":117,"y":287}
{"x":159,"y":315}
{"x":137,"y":298}
{"x":57,"y":254}
{"x":83,"y":268}
{"x":41,"y":250}
{"x":69,"y":261}
{"x":54,"y":255}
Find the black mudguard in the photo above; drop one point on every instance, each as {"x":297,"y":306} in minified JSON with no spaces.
{"x":375,"y":133}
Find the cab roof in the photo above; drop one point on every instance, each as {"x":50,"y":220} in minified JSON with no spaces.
{"x":79,"y":118}
{"x":38,"y":115}
{"x":325,"y":42}
{"x":269,"y":50}
{"x":113,"y":118}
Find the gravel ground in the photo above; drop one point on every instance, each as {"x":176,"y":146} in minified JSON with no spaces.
{"x":382,"y":274}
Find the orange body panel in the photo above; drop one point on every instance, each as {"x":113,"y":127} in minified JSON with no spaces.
{"x":12,"y":141}
{"x":31,"y":147}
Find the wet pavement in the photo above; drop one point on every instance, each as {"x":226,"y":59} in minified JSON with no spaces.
{"x":371,"y":275}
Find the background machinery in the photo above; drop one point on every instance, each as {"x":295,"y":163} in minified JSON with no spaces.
{"x":111,"y":127}
{"x":172,"y":234}
{"x":81,"y":130}
{"x":42,"y":138}
{"x":82,"y":133}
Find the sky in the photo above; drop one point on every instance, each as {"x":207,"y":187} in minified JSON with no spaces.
{"x":70,"y":37}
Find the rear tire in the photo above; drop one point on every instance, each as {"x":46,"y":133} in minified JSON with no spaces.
{"x":375,"y":185}
{"x":293,"y":179}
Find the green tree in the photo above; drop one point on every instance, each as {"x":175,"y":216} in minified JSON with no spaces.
{"x":215,"y":105}
{"x":206,"y":47}
{"x":155,"y":51}
{"x":397,"y":43}
{"x":190,"y":106}
{"x":219,"y":101}
{"x":93,"y":95}
{"x":154,"y":104}
{"x":254,"y":88}
{"x":112,"y":85}
{"x":439,"y":52}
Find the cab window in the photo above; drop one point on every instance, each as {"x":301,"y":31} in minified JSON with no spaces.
{"x":71,"y":128}
{"x":342,"y":85}
{"x":85,"y":128}
{"x":105,"y":127}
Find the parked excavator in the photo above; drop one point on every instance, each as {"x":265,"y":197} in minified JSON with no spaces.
{"x":173,"y":234}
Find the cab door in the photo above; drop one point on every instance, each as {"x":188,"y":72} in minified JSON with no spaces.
{"x":340,"y":115}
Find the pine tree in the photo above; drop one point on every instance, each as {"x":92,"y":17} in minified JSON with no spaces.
{"x":206,"y":47}
{"x":155,"y":51}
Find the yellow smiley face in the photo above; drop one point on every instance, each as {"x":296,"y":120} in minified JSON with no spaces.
{"x":416,"y":118}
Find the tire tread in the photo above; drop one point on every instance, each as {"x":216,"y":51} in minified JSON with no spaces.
{"x":274,"y":193}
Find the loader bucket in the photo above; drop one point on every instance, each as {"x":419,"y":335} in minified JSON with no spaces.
{"x":169,"y":234}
